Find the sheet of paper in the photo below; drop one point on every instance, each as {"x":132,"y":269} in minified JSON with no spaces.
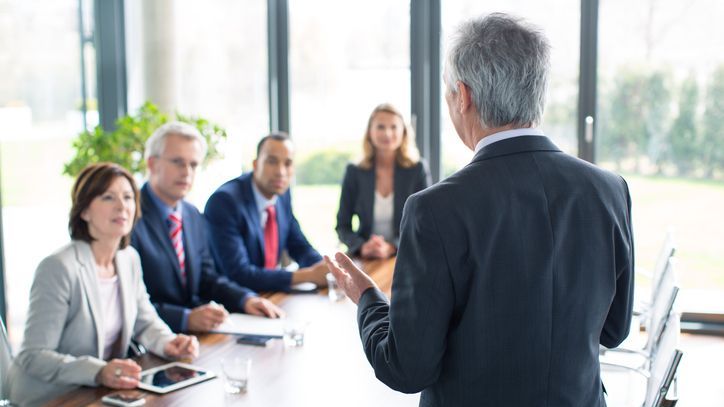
{"x":251,"y":324}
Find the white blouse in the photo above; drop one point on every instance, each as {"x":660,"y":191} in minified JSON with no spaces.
{"x":112,"y":312}
{"x":383,"y":216}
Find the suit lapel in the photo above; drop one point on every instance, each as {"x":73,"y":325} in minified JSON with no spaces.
{"x":123,"y":268}
{"x":249,"y":204}
{"x":282,"y":223}
{"x":367,"y":193}
{"x":398,"y":187}
{"x":159,"y":229}
{"x":189,"y":249}
{"x":88,"y":273}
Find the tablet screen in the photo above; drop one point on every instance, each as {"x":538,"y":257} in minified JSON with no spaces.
{"x":170,"y":376}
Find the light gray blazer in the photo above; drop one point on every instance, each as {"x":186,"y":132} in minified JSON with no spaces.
{"x":64,"y":338}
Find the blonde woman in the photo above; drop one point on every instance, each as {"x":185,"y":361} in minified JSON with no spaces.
{"x":376,"y":189}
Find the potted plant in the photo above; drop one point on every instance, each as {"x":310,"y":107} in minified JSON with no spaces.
{"x":125,"y":145}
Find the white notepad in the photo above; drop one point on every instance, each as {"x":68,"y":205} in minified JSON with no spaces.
{"x":238,"y":324}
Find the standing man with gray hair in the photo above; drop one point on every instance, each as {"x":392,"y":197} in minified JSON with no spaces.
{"x":513,"y":270}
{"x":171,"y":239}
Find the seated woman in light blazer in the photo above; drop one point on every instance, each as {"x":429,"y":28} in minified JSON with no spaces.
{"x":88,"y":300}
{"x":376,"y":189}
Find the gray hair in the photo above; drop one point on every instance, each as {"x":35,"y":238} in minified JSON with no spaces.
{"x":505,"y":63}
{"x":157,"y":142}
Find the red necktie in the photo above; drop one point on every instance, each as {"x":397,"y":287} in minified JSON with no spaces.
{"x":271,"y":238}
{"x":176,"y":234}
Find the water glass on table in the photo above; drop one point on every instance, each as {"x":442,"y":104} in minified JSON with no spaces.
{"x":236,"y":373}
{"x":336,"y":293}
{"x":294,"y":333}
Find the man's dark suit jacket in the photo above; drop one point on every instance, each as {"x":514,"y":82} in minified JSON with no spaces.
{"x":358,"y":198}
{"x":237,"y":239}
{"x":162,"y":272}
{"x":509,"y":274}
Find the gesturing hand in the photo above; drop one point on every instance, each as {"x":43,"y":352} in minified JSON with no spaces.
{"x":353,"y":281}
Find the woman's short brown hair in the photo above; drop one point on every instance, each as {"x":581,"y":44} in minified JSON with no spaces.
{"x":92,"y":182}
{"x":406,"y":156}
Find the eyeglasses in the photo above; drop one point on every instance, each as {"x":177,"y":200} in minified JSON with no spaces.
{"x":182,"y":164}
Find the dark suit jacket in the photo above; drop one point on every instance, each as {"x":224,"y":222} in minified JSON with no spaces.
{"x":162,"y":272}
{"x":509,"y":274}
{"x":358,"y":198}
{"x":237,"y":239}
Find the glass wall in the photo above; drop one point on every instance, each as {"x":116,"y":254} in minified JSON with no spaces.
{"x":40,"y":112}
{"x":345,"y":58}
{"x":205,"y":59}
{"x":660,"y":110}
{"x":560,"y":20}
{"x":661,"y":115}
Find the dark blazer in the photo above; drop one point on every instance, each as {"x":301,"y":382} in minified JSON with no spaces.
{"x":509,"y":274}
{"x":162,"y":272}
{"x":358,"y":198}
{"x":237,"y":239}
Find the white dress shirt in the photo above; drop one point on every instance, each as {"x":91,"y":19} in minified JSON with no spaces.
{"x":506,"y":134}
{"x":383,"y":213}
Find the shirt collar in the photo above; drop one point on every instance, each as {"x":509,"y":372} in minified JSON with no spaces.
{"x":161,"y":205}
{"x":261,"y":201}
{"x":506,"y":134}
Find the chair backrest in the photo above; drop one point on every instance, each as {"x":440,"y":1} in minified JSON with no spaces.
{"x":6,"y":358}
{"x":667,"y":251}
{"x":664,"y":365}
{"x":662,"y":306}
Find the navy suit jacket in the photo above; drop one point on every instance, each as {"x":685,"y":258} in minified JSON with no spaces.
{"x":509,"y":274}
{"x":162,"y":272}
{"x":358,"y":198}
{"x":237,"y":239}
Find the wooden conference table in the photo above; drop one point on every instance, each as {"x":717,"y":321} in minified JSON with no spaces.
{"x":330,"y":369}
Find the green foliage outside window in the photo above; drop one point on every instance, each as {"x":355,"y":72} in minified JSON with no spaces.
{"x":671,"y":127}
{"x":125,"y":145}
{"x":713,"y":124}
{"x":324,"y":167}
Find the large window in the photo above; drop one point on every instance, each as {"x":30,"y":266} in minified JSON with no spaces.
{"x":560,"y":20}
{"x":203,"y":59}
{"x":345,"y":59}
{"x":40,"y":112}
{"x":661,"y":115}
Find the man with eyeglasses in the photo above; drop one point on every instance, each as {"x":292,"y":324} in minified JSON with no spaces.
{"x":170,"y":237}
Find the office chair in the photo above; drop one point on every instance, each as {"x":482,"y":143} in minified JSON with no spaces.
{"x":6,"y":359}
{"x":659,"y":312}
{"x":661,"y":388}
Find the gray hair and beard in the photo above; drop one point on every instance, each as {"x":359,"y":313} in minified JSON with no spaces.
{"x":505,"y":63}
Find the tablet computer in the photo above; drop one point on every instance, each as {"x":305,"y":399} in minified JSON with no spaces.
{"x":172,"y":376}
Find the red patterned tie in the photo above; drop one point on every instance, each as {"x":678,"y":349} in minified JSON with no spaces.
{"x":176,"y":234}
{"x":271,"y":238}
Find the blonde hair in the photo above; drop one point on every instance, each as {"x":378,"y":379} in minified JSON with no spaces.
{"x":407,"y":154}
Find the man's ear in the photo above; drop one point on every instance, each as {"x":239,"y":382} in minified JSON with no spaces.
{"x":464,"y":97}
{"x":151,"y":163}
{"x":253,"y":164}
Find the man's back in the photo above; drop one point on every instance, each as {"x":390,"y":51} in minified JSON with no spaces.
{"x":509,"y":274}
